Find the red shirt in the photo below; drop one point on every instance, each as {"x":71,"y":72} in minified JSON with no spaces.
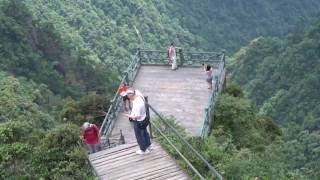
{"x":91,"y":135}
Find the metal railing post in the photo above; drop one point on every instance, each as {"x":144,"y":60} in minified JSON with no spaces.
{"x":181,"y":57}
{"x":139,"y":56}
{"x":121,"y":140}
{"x":148,"y":115}
{"x":126,"y":77}
{"x":183,"y":140}
{"x":216,"y":84}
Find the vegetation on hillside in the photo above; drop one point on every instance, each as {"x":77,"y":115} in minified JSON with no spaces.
{"x":60,"y":62}
{"x":281,"y":76}
{"x":32,"y":146}
{"x":231,"y":24}
{"x":242,"y":145}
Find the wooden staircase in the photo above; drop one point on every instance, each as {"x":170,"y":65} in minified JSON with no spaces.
{"x":123,"y":163}
{"x":184,"y":95}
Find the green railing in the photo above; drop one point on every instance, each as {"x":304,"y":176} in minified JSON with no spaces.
{"x":183,"y":58}
{"x":152,"y":57}
{"x":185,"y":143}
{"x":115,"y":106}
{"x":218,"y":81}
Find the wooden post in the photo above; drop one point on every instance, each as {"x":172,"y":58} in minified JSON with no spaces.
{"x":148,"y":115}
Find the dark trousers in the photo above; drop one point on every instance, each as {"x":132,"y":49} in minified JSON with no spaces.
{"x":142,"y":136}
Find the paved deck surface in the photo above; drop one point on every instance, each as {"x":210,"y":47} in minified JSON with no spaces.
{"x":182,"y":94}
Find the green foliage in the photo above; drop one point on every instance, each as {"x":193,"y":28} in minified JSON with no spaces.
{"x":281,"y":77}
{"x":239,"y":119}
{"x":234,"y":90}
{"x":89,"y":108}
{"x":263,"y":160}
{"x":28,"y":154}
{"x":50,"y":50}
{"x":11,"y":132}
{"x":60,"y":155}
{"x":17,"y":101}
{"x":231,"y":24}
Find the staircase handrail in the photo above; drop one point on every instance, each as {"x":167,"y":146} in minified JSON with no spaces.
{"x":186,"y":143}
{"x":115,"y":106}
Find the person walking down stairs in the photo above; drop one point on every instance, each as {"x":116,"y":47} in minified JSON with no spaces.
{"x":140,"y":121}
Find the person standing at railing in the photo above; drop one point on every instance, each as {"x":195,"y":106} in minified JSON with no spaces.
{"x":122,"y":90}
{"x":90,"y":133}
{"x":171,"y":53}
{"x":140,"y":120}
{"x":208,"y":71}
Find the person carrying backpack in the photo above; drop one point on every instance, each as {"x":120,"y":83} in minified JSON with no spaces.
{"x":90,"y":133}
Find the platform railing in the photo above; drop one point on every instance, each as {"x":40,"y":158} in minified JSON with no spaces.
{"x":185,"y":143}
{"x":154,"y":57}
{"x":218,"y":83}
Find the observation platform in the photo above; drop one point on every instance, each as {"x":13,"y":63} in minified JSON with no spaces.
{"x":182,"y":94}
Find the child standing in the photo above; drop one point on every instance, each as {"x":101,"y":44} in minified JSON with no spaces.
{"x":208,"y":71}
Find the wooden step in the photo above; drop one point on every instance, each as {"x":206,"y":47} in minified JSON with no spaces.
{"x":122,"y":162}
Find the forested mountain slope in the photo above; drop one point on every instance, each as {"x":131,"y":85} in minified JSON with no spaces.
{"x":78,"y":46}
{"x":230,"y":24}
{"x":281,"y":76}
{"x":61,"y":60}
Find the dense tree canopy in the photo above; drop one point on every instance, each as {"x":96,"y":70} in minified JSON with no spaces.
{"x":61,"y":61}
{"x":281,"y":76}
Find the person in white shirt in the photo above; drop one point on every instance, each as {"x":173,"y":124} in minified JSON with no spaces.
{"x":137,"y":116}
{"x":172,"y":56}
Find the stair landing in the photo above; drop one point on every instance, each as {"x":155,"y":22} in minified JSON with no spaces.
{"x":122,"y":163}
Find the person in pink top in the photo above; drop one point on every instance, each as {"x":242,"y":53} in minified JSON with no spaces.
{"x":91,"y":136}
{"x":208,"y":71}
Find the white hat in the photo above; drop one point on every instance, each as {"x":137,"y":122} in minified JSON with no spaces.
{"x":127,"y":92}
{"x":123,"y":93}
{"x":86,"y":125}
